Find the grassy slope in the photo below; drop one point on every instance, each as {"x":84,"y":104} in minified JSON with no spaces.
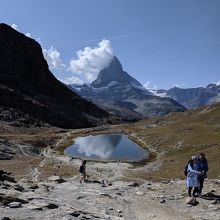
{"x":175,"y":138}
{"x":180,"y":135}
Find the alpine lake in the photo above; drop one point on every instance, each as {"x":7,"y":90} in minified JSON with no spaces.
{"x":106,"y":147}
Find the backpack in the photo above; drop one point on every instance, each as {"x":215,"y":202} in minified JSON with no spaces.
{"x":186,"y":169}
{"x":81,"y":169}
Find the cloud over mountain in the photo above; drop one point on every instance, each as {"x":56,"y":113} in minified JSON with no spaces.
{"x":15,"y":26}
{"x":53,"y":58}
{"x":90,"y":61}
{"x":72,"y":80}
{"x":149,"y":86}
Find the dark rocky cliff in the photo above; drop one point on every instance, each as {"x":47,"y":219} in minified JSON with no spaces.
{"x":27,"y":84}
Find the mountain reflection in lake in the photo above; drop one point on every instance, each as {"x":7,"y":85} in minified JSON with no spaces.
{"x":106,"y":147}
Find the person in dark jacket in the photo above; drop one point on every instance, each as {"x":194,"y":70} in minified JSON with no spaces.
{"x":82,"y":171}
{"x":203,"y":166}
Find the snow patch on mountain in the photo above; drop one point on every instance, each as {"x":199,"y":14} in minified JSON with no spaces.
{"x":218,"y":83}
{"x":154,"y":90}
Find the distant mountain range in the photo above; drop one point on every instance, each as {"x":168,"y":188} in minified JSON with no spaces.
{"x":119,"y":93}
{"x":28,"y":88}
{"x":30,"y":92}
{"x":192,"y":97}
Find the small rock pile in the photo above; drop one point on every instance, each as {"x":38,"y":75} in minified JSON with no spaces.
{"x":6,"y":176}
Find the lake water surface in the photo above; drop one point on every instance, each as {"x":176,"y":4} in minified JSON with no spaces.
{"x":106,"y":147}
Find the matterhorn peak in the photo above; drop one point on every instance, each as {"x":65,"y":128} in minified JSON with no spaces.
{"x":113,"y":73}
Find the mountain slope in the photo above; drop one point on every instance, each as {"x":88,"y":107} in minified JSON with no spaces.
{"x":119,"y":93}
{"x":27,"y":84}
{"x":194,"y":97}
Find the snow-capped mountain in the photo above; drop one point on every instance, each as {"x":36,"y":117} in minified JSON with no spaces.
{"x":119,"y":93}
{"x":193,"y":97}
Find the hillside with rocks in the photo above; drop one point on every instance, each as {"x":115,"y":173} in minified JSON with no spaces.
{"x":38,"y":181}
{"x":27,"y":85}
{"x":55,"y":197}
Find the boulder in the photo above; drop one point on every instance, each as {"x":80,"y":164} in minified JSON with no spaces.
{"x":42,"y":205}
{"x":35,"y":207}
{"x":162,"y":200}
{"x":134,"y":184}
{"x":52,"y":206}
{"x":78,"y":213}
{"x":6,"y":176}
{"x":5,"y":200}
{"x":140,"y":193}
{"x":9,"y":178}
{"x":19,"y":188}
{"x":4,"y":156}
{"x":57,"y":179}
{"x":33,"y":186}
{"x":14,"y":204}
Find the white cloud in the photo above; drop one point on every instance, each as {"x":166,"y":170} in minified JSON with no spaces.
{"x":72,"y":80}
{"x":91,"y":60}
{"x":181,"y":85}
{"x":15,"y":26}
{"x":149,"y":86}
{"x":28,"y":34}
{"x":53,"y":59}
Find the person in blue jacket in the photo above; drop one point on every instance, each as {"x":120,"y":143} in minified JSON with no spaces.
{"x":203,"y":168}
{"x":193,"y":174}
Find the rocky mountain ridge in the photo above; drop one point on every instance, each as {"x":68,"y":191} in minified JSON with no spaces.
{"x":119,"y":93}
{"x":193,"y":97}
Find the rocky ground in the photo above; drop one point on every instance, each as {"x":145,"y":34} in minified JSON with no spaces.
{"x":107,"y":194}
{"x":44,"y":183}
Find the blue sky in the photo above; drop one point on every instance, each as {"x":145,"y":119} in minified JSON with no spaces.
{"x":166,"y":43}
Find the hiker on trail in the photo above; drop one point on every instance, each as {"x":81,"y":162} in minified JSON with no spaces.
{"x":82,"y":170}
{"x":203,"y":168}
{"x":193,"y":173}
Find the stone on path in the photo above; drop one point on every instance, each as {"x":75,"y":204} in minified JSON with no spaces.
{"x":19,"y":188}
{"x":14,"y":204}
{"x":33,"y":186}
{"x":162,"y":200}
{"x":57,"y":179}
{"x":133,"y":184}
{"x":105,"y":195}
{"x":5,"y":200}
{"x":45,"y":205}
{"x":8,"y":178}
{"x":140,"y":193}
{"x":191,"y":201}
{"x":52,"y":206}
{"x":34,"y":207}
